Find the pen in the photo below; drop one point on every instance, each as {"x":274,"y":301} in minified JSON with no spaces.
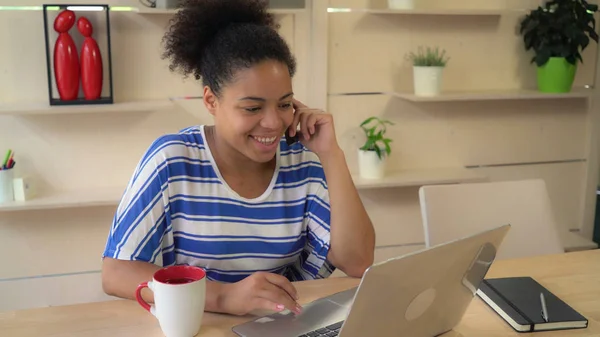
{"x":544,"y":309}
{"x":10,"y":160}
{"x":8,"y":153}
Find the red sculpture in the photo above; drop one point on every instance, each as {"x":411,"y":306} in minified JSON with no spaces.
{"x":91,"y":61}
{"x":66,"y":59}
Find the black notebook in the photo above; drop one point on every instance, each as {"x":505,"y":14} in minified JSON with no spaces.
{"x":517,"y":300}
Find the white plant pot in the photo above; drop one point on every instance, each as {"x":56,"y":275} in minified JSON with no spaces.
{"x":370,"y":166}
{"x":400,"y":4}
{"x":427,"y":80}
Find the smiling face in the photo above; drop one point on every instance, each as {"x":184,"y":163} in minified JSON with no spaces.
{"x":254,"y":110}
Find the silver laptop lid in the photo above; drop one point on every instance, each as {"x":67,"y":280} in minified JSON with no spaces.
{"x":425,"y":293}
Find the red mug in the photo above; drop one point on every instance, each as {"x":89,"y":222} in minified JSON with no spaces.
{"x":179,"y":299}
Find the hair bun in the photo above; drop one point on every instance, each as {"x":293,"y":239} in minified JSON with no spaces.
{"x":219,"y":14}
{"x":198,"y":22}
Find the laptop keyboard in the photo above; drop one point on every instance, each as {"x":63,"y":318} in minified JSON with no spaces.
{"x":328,"y":331}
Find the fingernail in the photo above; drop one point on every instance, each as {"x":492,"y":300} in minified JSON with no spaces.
{"x":298,"y":308}
{"x":280,"y":307}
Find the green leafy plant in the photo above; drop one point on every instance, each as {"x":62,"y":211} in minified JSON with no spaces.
{"x":562,"y":28}
{"x":428,"y":57}
{"x":375,"y":129}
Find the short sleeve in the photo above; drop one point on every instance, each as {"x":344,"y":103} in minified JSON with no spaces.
{"x":140,"y":221}
{"x":313,"y":263}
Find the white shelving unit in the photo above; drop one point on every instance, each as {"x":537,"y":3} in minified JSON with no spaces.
{"x":494,"y":95}
{"x":67,"y":199}
{"x":420,"y":177}
{"x":40,"y":108}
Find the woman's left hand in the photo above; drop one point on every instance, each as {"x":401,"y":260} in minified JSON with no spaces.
{"x":317,"y":132}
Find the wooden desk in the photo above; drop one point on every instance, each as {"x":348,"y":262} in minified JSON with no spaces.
{"x":575,"y":277}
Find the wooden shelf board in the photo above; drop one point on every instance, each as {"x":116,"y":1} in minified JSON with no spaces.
{"x":276,"y":11}
{"x":493,"y":95}
{"x":422,"y":177}
{"x":438,"y":11}
{"x":111,"y":196}
{"x":283,"y":11}
{"x":67,"y":199}
{"x":40,"y":108}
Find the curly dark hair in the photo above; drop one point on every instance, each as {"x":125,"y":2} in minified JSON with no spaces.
{"x":212,"y":39}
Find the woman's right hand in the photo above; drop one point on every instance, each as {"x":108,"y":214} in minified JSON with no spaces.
{"x":260,"y":290}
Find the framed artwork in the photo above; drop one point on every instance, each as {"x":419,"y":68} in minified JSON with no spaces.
{"x":78,"y":54}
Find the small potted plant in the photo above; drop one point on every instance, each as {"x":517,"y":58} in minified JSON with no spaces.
{"x":558,"y":33}
{"x":372,"y":154}
{"x":428,"y":65}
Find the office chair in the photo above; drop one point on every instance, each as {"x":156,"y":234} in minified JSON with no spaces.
{"x":453,"y":211}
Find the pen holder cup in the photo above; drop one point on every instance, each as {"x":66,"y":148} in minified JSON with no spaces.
{"x":6,"y":186}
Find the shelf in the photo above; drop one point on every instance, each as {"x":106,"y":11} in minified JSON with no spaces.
{"x":111,"y":196}
{"x":421,"y":177}
{"x":439,"y":11}
{"x":575,"y":242}
{"x":68,"y":199}
{"x":429,"y":11}
{"x":493,"y":95}
{"x":39,"y":108}
{"x":147,"y":10}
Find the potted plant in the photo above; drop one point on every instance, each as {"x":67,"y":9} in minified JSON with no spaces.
{"x":373,"y":153}
{"x":558,"y":33}
{"x":428,"y":65}
{"x":400,"y":4}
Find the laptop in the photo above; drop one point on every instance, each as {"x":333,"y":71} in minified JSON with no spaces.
{"x":421,"y":294}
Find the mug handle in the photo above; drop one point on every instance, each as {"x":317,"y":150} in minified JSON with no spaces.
{"x":138,"y":295}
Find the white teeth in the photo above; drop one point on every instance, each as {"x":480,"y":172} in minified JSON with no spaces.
{"x":266,"y":141}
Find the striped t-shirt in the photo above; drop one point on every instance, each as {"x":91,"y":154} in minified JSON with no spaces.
{"x":177,"y":209}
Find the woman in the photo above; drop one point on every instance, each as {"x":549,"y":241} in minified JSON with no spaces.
{"x":235,"y":198}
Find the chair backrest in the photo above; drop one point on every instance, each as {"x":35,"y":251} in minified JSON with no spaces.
{"x":454,"y":211}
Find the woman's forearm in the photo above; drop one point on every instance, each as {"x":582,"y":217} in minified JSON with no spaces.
{"x":121,"y":278}
{"x":352,"y":234}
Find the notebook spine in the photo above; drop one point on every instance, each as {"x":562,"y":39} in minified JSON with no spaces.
{"x":496,"y":296}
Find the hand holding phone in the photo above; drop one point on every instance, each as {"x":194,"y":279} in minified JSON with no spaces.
{"x":313,"y":128}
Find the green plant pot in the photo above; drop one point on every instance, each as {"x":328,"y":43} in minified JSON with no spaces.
{"x":556,"y":75}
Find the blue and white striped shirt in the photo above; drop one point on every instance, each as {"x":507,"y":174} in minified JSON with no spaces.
{"x":177,"y":209}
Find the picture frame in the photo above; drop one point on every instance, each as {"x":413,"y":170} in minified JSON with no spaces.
{"x":79,"y":67}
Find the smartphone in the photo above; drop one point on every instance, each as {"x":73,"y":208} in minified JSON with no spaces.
{"x":289,"y":139}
